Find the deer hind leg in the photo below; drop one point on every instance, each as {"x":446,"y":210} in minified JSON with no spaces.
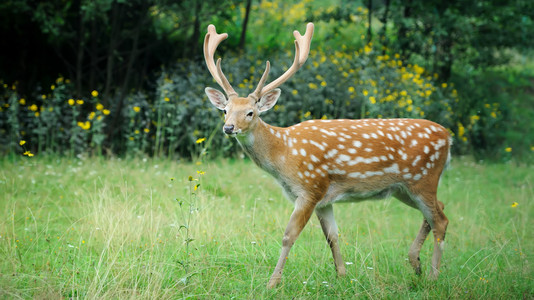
{"x":439,"y":229}
{"x":432,"y":210}
{"x":435,"y":220}
{"x":415,"y":249}
{"x":300,"y":216}
{"x":328,"y":224}
{"x":417,"y":244}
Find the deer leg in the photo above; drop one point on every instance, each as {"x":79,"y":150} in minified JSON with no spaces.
{"x":297,"y":221}
{"x":415,"y":249}
{"x":328,"y":224}
{"x":439,"y":229}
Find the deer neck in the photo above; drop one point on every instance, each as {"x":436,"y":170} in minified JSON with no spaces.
{"x":262,"y":146}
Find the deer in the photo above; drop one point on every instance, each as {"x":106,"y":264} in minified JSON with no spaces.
{"x":322,"y":162}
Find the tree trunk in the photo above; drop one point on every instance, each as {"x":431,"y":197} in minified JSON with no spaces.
{"x":244,"y":28}
{"x":369,"y":19}
{"x":385,"y":25}
{"x":79,"y":55}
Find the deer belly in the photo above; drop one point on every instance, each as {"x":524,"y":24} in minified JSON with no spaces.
{"x":337,"y":194}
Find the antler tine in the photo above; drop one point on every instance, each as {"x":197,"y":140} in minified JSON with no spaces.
{"x":257,"y":93}
{"x":211,"y":42}
{"x":302,"y":49}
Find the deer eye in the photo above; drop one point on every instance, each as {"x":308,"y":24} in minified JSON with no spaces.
{"x":250,"y":114}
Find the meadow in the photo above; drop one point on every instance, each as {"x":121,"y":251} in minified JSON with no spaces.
{"x":161,"y":229}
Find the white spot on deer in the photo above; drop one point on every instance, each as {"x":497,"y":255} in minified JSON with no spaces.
{"x":380,"y":132}
{"x":394,"y":168}
{"x":389,"y":136}
{"x":341,"y":146}
{"x":343,"y":157}
{"x":417,"y":158}
{"x":341,"y":139}
{"x":357,"y":175}
{"x":314,"y":158}
{"x":294,"y":152}
{"x":390,"y":156}
{"x":417,"y":124}
{"x":311,"y":167}
{"x":373,"y":135}
{"x":374,"y":173}
{"x":428,"y":130}
{"x":330,"y":153}
{"x":300,"y":175}
{"x":304,"y":141}
{"x":302,"y":152}
{"x":314,"y":127}
{"x":357,"y":144}
{"x":439,"y":144}
{"x":351,"y":151}
{"x":383,"y":158}
{"x":413,"y":143}
{"x":271,"y":130}
{"x":417,"y":177}
{"x":368,"y":150}
{"x":426,"y":149}
{"x":329,"y":133}
{"x":278,"y":135}
{"x":360,"y":159}
{"x":407,"y":176}
{"x":317,"y":145}
{"x":403,"y":134}
{"x":337,"y":172}
{"x":306,"y":173}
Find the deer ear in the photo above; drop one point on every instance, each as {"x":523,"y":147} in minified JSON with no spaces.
{"x":268,"y":100}
{"x":216,"y":97}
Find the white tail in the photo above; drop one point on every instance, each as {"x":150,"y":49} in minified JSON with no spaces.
{"x":321,"y":162}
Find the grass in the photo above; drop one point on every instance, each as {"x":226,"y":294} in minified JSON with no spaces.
{"x":112,"y":228}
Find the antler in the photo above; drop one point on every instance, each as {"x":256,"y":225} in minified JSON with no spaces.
{"x":302,"y":49}
{"x":211,"y":42}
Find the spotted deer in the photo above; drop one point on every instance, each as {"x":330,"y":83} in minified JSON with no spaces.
{"x":322,"y":162}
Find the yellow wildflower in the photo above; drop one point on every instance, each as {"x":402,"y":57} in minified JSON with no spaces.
{"x":166,"y":99}
{"x":136,"y":108}
{"x":294,"y":92}
{"x":22,"y":142}
{"x":444,"y":85}
{"x":307,"y":114}
{"x":33,"y":107}
{"x":91,"y":115}
{"x":79,"y":102}
{"x":28,"y":153}
{"x":84,"y":125}
{"x":146,"y":130}
{"x":52,"y":87}
{"x":22,"y":101}
{"x":105,"y":112}
{"x":372,"y":100}
{"x":99,"y":106}
{"x":71,"y":102}
{"x":365,"y":92}
{"x":312,"y":86}
{"x":200,"y":140}
{"x":94,"y":93}
{"x":351,"y":89}
{"x":508,"y":149}
{"x":323,"y":83}
{"x":515,"y":204}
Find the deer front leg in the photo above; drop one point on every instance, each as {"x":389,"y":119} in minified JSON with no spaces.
{"x":417,"y":244}
{"x":328,"y":224}
{"x":297,"y":221}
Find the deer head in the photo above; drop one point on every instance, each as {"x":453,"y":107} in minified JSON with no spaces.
{"x":242,"y":113}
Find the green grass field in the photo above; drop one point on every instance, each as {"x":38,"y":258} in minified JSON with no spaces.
{"x":111,"y":228}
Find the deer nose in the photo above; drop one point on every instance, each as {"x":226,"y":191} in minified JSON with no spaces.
{"x":228,"y":129}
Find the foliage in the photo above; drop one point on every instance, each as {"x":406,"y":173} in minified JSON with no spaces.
{"x":421,"y":59}
{"x":94,"y":228}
